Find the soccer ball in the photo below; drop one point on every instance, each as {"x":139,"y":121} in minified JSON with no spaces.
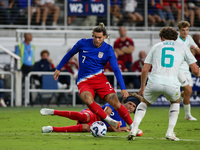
{"x":98,"y":129}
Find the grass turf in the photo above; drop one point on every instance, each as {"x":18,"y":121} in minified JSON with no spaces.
{"x":20,"y":128}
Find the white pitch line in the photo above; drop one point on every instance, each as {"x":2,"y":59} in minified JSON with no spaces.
{"x":146,"y":138}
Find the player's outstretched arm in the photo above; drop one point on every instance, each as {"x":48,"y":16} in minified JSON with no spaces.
{"x":56,"y":74}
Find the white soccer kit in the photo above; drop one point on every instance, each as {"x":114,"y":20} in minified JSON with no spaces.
{"x":184,"y":73}
{"x":166,"y":58}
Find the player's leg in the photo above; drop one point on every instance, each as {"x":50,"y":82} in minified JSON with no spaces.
{"x":186,"y":102}
{"x":151,"y":92}
{"x":186,"y":84}
{"x":88,"y":99}
{"x":105,"y":90}
{"x":73,"y":128}
{"x":139,"y":115}
{"x":173,"y":95}
{"x":173,"y":117}
{"x":81,"y":125}
{"x":83,"y":117}
{"x":121,"y":109}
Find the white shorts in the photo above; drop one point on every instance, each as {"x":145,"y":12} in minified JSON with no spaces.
{"x":152,"y":91}
{"x":185,"y":78}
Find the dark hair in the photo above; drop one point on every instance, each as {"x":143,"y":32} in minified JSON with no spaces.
{"x":44,"y":51}
{"x":183,"y":24}
{"x":168,"y":33}
{"x":133,"y":97}
{"x":100,"y":28}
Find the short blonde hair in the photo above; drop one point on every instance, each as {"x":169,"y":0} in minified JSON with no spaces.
{"x":183,"y":24}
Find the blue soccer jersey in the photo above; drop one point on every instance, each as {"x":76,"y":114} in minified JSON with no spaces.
{"x":114,"y":115}
{"x":92,"y":60}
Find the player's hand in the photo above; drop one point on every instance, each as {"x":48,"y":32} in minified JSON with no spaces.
{"x":124,"y":93}
{"x":56,"y":75}
{"x":126,"y":129}
{"x":141,"y":91}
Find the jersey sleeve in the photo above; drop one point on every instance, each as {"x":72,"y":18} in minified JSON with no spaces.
{"x":67,"y":56}
{"x":189,"y":58}
{"x":192,"y":41}
{"x":115,"y":68}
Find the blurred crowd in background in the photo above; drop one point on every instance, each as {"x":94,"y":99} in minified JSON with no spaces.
{"x":127,"y":12}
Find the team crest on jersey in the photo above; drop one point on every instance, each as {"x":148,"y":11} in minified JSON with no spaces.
{"x":100,"y":55}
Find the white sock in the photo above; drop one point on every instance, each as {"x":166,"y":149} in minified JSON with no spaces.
{"x":173,"y":116}
{"x":110,"y":120}
{"x":139,"y":115}
{"x":187,"y":110}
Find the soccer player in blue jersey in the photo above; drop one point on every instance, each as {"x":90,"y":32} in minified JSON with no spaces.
{"x":86,"y":117}
{"x":94,"y":54}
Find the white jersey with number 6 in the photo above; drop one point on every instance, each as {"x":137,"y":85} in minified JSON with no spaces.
{"x":166,"y":58}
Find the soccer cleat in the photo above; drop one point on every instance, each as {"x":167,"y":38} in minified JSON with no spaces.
{"x":190,"y":118}
{"x":139,"y":133}
{"x":115,"y":124}
{"x":47,"y":129}
{"x":3,"y":104}
{"x":171,"y":137}
{"x":131,"y":135}
{"x":46,"y":111}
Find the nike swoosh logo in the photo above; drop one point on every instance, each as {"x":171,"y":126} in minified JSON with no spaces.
{"x":85,"y":51}
{"x":173,"y":111}
{"x":140,"y":109}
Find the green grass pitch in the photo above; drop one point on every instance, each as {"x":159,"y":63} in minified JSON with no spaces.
{"x":20,"y":129}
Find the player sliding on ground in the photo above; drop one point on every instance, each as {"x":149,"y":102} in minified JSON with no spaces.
{"x":165,"y":58}
{"x":85,"y":118}
{"x":94,"y":54}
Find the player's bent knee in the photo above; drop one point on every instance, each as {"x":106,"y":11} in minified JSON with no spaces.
{"x":87,"y":98}
{"x":113,"y":100}
{"x":188,"y":90}
{"x":116,"y":106}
